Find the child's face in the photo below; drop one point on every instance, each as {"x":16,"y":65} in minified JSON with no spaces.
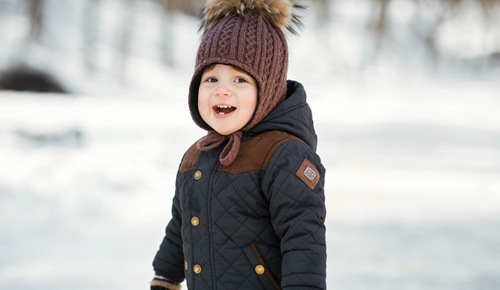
{"x":227,"y":98}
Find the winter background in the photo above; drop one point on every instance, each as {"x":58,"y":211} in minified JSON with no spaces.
{"x":408,"y":125}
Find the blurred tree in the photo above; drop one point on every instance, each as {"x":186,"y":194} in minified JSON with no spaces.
{"x":189,"y":7}
{"x":171,"y":7}
{"x":425,"y":24}
{"x":324,"y":15}
{"x":378,"y":28}
{"x":489,"y":7}
{"x":322,"y":20}
{"x":379,"y":19}
{"x":36,"y":18}
{"x":124,"y":37}
{"x":429,"y":17}
{"x":491,"y":11}
{"x":4,"y":6}
{"x":90,"y":34}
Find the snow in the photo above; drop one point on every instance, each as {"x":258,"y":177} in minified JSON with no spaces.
{"x":412,"y":158}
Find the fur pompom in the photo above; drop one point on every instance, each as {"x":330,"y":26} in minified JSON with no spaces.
{"x":278,"y":13}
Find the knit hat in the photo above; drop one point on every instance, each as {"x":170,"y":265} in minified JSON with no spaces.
{"x":248,"y":34}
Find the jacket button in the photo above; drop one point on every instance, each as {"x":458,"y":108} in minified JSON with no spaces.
{"x":195,"y":221}
{"x":197,"y":269}
{"x":197,"y":175}
{"x":260,"y":269}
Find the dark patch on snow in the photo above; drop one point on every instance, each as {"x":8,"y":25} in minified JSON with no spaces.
{"x":25,"y":78}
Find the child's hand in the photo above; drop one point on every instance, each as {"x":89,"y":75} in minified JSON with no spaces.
{"x":160,"y":284}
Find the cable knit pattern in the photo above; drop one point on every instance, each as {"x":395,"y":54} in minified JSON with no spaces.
{"x":250,"y":41}
{"x":225,"y":40}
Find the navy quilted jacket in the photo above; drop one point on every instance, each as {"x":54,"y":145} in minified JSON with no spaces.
{"x":258,"y":223}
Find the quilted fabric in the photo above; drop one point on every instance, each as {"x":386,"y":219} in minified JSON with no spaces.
{"x":254,"y":224}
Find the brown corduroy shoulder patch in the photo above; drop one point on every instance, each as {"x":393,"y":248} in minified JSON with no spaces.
{"x":190,"y":158}
{"x":309,"y":174}
{"x":256,"y":153}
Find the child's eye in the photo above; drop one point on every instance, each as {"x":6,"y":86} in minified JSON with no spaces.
{"x":211,"y":80}
{"x":240,"y":80}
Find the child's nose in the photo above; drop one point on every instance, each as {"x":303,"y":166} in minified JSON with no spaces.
{"x":222,"y":91}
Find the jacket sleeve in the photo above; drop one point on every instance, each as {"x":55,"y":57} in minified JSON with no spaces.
{"x":169,"y":260}
{"x":294,"y":185}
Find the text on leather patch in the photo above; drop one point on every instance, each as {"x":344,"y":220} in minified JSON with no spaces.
{"x":308,"y":173}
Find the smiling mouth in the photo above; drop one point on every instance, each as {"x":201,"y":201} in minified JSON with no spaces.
{"x":223,"y":109}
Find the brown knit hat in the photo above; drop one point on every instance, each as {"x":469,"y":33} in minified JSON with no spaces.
{"x":248,"y":34}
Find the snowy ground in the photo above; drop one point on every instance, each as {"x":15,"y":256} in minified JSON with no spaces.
{"x":413,"y":182}
{"x":413,"y":185}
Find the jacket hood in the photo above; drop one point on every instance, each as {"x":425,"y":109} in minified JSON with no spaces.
{"x":293,"y":115}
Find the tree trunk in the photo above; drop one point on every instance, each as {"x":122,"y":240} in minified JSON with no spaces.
{"x":36,"y":18}
{"x":90,"y":34}
{"x":125,"y":37}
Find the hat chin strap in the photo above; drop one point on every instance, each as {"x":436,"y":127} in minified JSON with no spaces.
{"x":213,"y":140}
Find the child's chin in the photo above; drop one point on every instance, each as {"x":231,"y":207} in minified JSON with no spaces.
{"x":225,"y":131}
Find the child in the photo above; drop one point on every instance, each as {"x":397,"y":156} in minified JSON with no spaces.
{"x":248,"y":211}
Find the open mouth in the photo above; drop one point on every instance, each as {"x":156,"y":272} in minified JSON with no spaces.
{"x":223,"y":109}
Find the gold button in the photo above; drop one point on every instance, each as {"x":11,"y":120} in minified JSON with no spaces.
{"x":197,"y":175}
{"x":197,"y":269}
{"x":195,"y":221}
{"x":260,"y":269}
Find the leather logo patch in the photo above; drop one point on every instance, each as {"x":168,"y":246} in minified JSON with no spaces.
{"x":308,"y":173}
